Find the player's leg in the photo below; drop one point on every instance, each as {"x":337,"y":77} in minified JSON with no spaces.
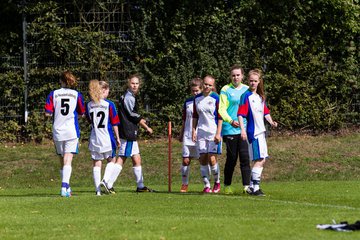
{"x":231,"y":142}
{"x":116,"y":168}
{"x":204,"y":163}
{"x":215,"y":150}
{"x":245,"y":169}
{"x":258,"y":153}
{"x":96,"y":172}
{"x":185,"y":167}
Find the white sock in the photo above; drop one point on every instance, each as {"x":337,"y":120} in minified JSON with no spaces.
{"x":185,"y":174}
{"x":97,"y":178}
{"x":108,"y":171}
{"x":138,"y":176}
{"x":66,"y":174}
{"x":115,"y":173}
{"x":215,"y":172}
{"x":256,"y":177}
{"x":204,"y":170}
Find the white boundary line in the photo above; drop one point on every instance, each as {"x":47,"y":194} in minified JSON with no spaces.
{"x":266,"y":199}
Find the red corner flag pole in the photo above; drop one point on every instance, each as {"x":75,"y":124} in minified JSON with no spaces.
{"x":169,"y":156}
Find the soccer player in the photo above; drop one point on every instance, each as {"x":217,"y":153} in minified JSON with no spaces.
{"x":206,"y":132}
{"x":104,"y":119}
{"x":64,"y":105}
{"x":113,"y":168}
{"x":253,"y":108}
{"x":235,"y":146}
{"x":128,"y":130}
{"x":189,"y":148}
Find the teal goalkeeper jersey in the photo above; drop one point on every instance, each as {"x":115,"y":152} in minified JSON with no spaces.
{"x":228,"y":107}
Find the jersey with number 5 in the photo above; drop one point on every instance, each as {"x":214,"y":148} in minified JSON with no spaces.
{"x":102,"y":116}
{"x":65,"y":104}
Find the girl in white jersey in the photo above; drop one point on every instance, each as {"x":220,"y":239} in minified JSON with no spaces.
{"x":189,"y":148}
{"x":206,"y":132}
{"x":253,"y":108}
{"x":64,"y":105}
{"x":104,"y":119}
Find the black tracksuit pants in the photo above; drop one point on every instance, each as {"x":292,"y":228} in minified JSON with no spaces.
{"x":236,"y":147}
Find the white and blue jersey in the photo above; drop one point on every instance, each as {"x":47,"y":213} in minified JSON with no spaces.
{"x":254,"y":109}
{"x":206,"y":111}
{"x":103,"y":116}
{"x":188,"y":109}
{"x":65,"y":104}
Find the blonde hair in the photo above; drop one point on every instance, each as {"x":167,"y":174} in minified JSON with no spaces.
{"x":68,"y":79}
{"x":95,"y":90}
{"x":260,"y":89}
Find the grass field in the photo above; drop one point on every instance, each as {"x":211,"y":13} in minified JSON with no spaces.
{"x":308,"y":181}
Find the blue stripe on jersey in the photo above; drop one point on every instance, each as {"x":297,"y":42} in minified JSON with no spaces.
{"x":216,"y":97}
{"x":128,"y":148}
{"x":255,"y":149}
{"x":77,"y":126}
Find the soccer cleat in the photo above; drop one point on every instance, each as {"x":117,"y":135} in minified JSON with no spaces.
{"x":216,"y":188}
{"x":64,"y":193}
{"x":258,"y":193}
{"x":98,"y":193}
{"x":104,"y":184}
{"x":207,"y":190}
{"x":112,"y":191}
{"x":69,"y":191}
{"x":229,"y":190}
{"x":248,"y":190}
{"x":144,"y":189}
{"x":184,"y":188}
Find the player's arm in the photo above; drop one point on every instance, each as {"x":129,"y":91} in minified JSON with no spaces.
{"x":271,"y":121}
{"x":116,"y":131}
{"x":218,"y":131}
{"x":223,"y":106}
{"x":145,"y":126}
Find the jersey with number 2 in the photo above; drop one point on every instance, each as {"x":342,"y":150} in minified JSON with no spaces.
{"x":103,"y":116}
{"x":65,"y":104}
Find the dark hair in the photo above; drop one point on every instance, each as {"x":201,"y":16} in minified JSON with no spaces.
{"x":236,"y":66}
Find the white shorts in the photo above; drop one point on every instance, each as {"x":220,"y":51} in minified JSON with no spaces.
{"x":190,"y":151}
{"x":67,"y":146}
{"x":128,"y":148}
{"x":207,"y":146}
{"x":101,"y":156}
{"x":258,"y":148}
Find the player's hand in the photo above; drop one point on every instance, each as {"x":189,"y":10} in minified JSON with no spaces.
{"x":243,"y":135}
{"x":235,"y":124}
{"x":217,"y":138}
{"x":274,"y":124}
{"x":118,"y":142}
{"x":149,"y":130}
{"x":194,"y":137}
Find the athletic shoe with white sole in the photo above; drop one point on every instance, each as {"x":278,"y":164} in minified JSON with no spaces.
{"x":184,"y":188}
{"x":207,"y":190}
{"x":112,"y":191}
{"x":64,"y":193}
{"x":105,"y":186}
{"x":216,"y":188}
